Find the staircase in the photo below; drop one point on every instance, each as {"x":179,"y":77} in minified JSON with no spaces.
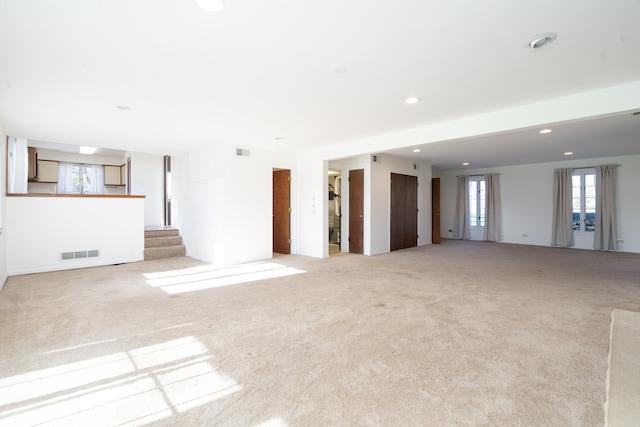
{"x":163,"y":243}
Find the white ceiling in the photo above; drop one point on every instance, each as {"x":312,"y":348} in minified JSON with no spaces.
{"x":259,"y":74}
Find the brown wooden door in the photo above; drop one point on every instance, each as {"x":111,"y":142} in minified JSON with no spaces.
{"x":435,"y":210}
{"x":404,"y":211}
{"x":356,"y":211}
{"x":32,"y":164}
{"x":281,"y":211}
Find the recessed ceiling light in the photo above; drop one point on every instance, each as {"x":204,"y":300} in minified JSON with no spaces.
{"x":465,"y":164}
{"x":416,"y":150}
{"x":279,"y":138}
{"x":412,"y":100}
{"x":123,"y":107}
{"x":546,"y":131}
{"x":211,"y":5}
{"x":339,"y":69}
{"x":542,"y":40}
{"x":568,"y":153}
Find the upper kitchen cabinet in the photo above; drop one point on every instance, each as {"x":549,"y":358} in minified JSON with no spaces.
{"x":113,"y":175}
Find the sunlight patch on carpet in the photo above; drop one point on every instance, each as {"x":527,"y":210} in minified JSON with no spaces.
{"x":208,"y":277}
{"x":131,"y":387}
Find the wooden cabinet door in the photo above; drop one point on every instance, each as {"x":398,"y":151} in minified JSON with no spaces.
{"x":32,"y":171}
{"x":47,"y":171}
{"x":112,"y":175}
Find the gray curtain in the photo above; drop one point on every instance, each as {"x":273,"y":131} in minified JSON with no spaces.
{"x":493,"y":208}
{"x":562,"y":231}
{"x":606,"y":237}
{"x":461,"y":226}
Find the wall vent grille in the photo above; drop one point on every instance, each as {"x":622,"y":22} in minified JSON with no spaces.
{"x":79,"y":254}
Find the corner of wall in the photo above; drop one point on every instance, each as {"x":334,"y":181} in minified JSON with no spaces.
{"x":3,"y":215}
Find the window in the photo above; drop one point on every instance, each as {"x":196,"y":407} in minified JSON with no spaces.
{"x":80,"y":179}
{"x":584,"y":200}
{"x":476,"y":201}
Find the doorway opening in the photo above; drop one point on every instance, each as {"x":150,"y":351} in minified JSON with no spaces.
{"x":335,"y":211}
{"x":166,"y":211}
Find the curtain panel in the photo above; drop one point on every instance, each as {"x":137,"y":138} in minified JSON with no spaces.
{"x":17,"y":165}
{"x":605,"y":236}
{"x":461,"y":224}
{"x":493,"y":208}
{"x":562,"y":229}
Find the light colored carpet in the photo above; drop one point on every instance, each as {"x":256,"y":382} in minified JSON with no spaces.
{"x":462,"y":333}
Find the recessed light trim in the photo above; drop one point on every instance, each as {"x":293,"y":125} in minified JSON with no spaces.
{"x":543,"y":131}
{"x":541,"y":40}
{"x":412,"y":100}
{"x":211,"y":5}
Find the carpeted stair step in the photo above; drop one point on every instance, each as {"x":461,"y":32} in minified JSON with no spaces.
{"x":164,"y":252}
{"x":163,"y":243}
{"x":165,"y":232}
{"x":154,"y":242}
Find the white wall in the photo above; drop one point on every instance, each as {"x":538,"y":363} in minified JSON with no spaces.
{"x":312,"y":228}
{"x":527,"y":201}
{"x":377,"y":198}
{"x":3,"y":210}
{"x":39,"y":229}
{"x":381,"y":200}
{"x":147,"y":179}
{"x":223,"y":203}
